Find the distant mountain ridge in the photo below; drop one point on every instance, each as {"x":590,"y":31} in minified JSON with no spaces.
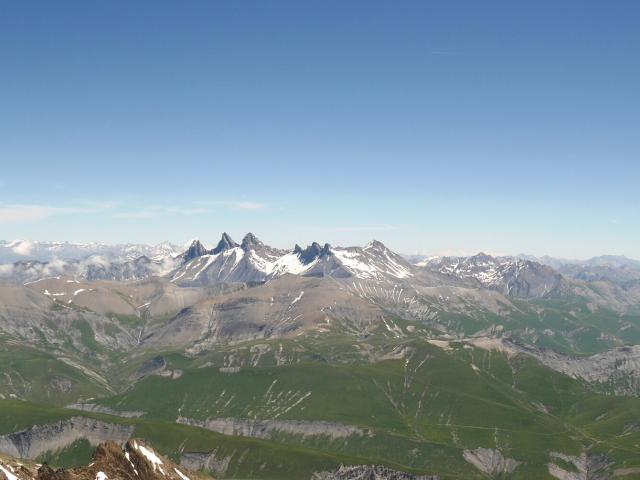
{"x":251,"y":261}
{"x":17,"y":250}
{"x":510,"y":276}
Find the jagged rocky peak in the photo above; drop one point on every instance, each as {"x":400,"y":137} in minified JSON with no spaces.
{"x":196,"y":249}
{"x":250,"y":242}
{"x":312,"y":252}
{"x":225,"y":243}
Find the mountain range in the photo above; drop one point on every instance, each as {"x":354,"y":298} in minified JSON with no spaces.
{"x":240,"y":360}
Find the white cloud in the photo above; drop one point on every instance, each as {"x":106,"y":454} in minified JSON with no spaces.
{"x":55,"y":266}
{"x":6,"y":270}
{"x":21,"y":247}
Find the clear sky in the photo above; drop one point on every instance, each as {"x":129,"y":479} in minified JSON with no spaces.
{"x":435,"y":127}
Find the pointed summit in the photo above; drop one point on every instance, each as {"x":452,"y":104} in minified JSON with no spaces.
{"x":196,"y":249}
{"x":250,"y":242}
{"x":225,"y":243}
{"x":375,"y":245}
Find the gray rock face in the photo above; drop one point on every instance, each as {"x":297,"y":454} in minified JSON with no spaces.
{"x":313,"y":252}
{"x":61,"y":384}
{"x":616,"y":370}
{"x":250,"y":241}
{"x":213,"y":462}
{"x":369,"y":472}
{"x":196,"y":249}
{"x":267,"y":428}
{"x":587,"y":467}
{"x":90,"y":407}
{"x":225,"y":243}
{"x":38,"y":439}
{"x":490,"y":461}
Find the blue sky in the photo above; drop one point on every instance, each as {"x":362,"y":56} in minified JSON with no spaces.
{"x":436,"y":127}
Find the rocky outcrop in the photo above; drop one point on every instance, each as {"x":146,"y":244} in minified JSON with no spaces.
{"x":136,"y":461}
{"x":214,"y":462}
{"x":586,"y":466}
{"x":38,"y":439}
{"x":490,"y":461}
{"x":91,"y":407}
{"x":614,"y":371}
{"x":369,"y":472}
{"x":267,"y":428}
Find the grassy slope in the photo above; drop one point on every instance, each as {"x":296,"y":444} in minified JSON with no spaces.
{"x":421,"y":413}
{"x":39,"y":376}
{"x":250,"y":458}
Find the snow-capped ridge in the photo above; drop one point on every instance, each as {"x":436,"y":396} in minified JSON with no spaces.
{"x":509,"y":275}
{"x":253,"y":261}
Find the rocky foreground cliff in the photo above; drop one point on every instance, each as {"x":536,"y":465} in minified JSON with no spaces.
{"x":135,"y":461}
